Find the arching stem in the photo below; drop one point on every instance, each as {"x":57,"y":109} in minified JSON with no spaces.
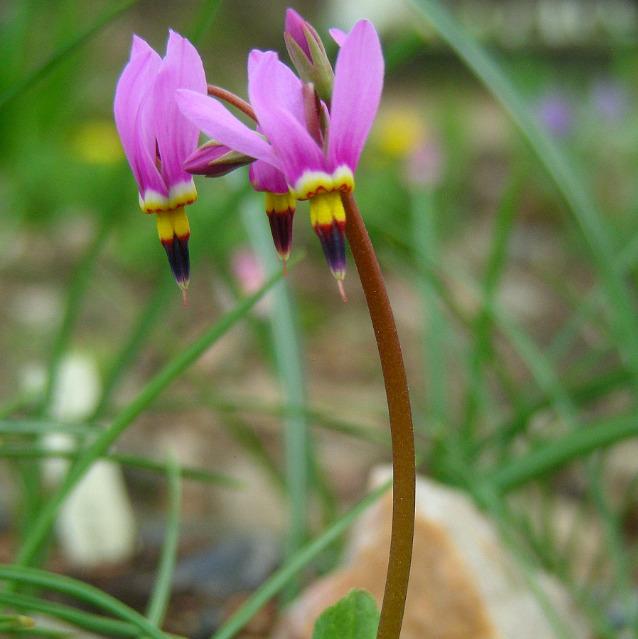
{"x":398,"y":398}
{"x":396,"y":387}
{"x":231,"y":98}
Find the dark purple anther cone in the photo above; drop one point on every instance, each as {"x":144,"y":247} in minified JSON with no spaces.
{"x":281,"y":229}
{"x":333,"y":242}
{"x":177,"y":253}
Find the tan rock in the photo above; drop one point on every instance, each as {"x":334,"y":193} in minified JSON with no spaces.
{"x":464,"y":583}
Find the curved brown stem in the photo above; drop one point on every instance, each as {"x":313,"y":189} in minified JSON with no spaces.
{"x":231,"y":98}
{"x":396,"y":387}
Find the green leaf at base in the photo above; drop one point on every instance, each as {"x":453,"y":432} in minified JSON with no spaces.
{"x":354,"y":617}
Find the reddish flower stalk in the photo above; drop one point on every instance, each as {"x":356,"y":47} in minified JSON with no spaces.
{"x":232,"y":99}
{"x":398,"y":398}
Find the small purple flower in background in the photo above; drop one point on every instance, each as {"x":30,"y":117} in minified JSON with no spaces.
{"x":305,"y":149}
{"x":556,"y":113}
{"x":425,"y":165}
{"x":610,"y":99}
{"x":157,"y":138}
{"x":250,"y":275}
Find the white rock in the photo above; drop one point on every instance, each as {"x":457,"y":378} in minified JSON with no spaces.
{"x":96,"y":523}
{"x":464,"y":582}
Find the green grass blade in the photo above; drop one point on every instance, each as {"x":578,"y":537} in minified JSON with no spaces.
{"x":277,"y":581}
{"x":483,"y":348}
{"x":75,"y":296}
{"x":588,"y":391}
{"x":134,"y":461}
{"x":619,"y":559}
{"x":79,"y":618}
{"x":426,"y":249}
{"x":15,"y":405}
{"x":563,"y":339}
{"x":568,"y":182}
{"x":83,"y":592}
{"x":42,"y":524}
{"x":562,"y":450}
{"x":64,"y":52}
{"x":204,"y":20}
{"x":132,"y":346}
{"x":288,"y":362}
{"x":160,"y":597}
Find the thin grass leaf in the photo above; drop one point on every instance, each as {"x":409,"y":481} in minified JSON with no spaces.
{"x":314,"y":416}
{"x":25,"y":427}
{"x":13,"y":92}
{"x":288,"y":363}
{"x":278,"y":580}
{"x":79,"y":618}
{"x":134,"y":461}
{"x":483,"y":347}
{"x":562,"y":450}
{"x":78,"y":590}
{"x":204,"y":20}
{"x":583,"y":392}
{"x":15,"y":405}
{"x":549,"y":154}
{"x":425,"y":240}
{"x":42,"y":524}
{"x":50,"y":633}
{"x":612,"y":529}
{"x":133,"y":345}
{"x":244,"y":435}
{"x":504,"y":520}
{"x":160,"y":597}
{"x":563,"y":339}
{"x":75,"y":296}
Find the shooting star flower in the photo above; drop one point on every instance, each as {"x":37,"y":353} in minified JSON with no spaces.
{"x":315,"y":148}
{"x":157,"y":138}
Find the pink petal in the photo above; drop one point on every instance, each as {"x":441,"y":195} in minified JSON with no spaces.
{"x":293,"y":145}
{"x":217,"y":122}
{"x":265,"y":177}
{"x":338,"y":35}
{"x":177,"y":137}
{"x":356,"y":94}
{"x":285,"y":87}
{"x":131,"y":112}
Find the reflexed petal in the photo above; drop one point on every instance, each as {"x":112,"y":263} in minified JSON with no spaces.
{"x":265,"y":177}
{"x":338,"y":35}
{"x":217,"y":122}
{"x":294,"y":146}
{"x":285,"y":87}
{"x":356,"y":95}
{"x":177,"y":136}
{"x":131,"y":112}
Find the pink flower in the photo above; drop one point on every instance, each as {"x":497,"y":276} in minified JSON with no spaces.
{"x":250,"y":275}
{"x":157,"y":138}
{"x":314,"y":148}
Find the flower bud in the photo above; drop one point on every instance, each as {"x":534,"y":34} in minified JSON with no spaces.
{"x":214,"y":160}
{"x":308,"y":54}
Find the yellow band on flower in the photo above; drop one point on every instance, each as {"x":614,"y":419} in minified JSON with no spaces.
{"x":313,"y":183}
{"x":327,"y":208}
{"x":280,"y":202}
{"x":172,"y":224}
